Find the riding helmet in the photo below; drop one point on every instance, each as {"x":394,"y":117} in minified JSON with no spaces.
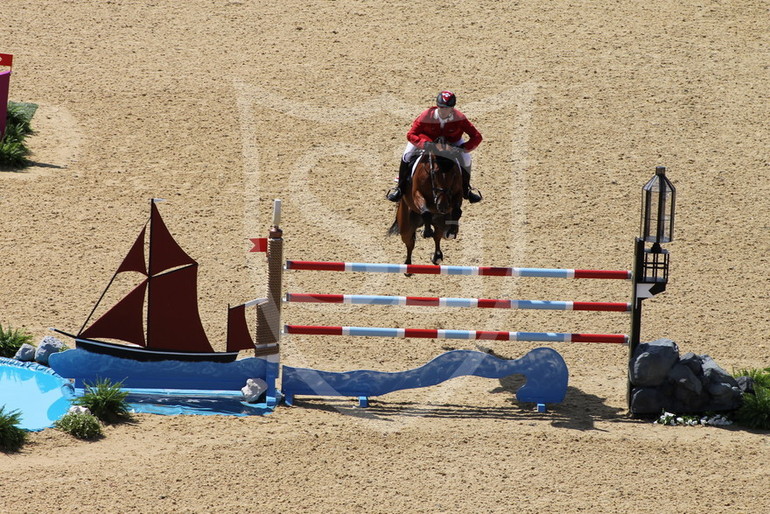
{"x":446,"y":99}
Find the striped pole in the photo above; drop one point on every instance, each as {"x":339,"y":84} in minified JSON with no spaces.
{"x":427,"y":269}
{"x":457,"y":302}
{"x":427,"y":333}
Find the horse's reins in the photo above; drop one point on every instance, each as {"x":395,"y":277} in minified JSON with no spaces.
{"x":436,"y":190}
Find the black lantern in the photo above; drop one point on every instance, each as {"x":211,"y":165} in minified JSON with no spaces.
{"x":658,"y":199}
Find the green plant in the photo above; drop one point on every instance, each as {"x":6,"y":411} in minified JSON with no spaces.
{"x":13,"y":150}
{"x":11,"y":340}
{"x":11,"y":437}
{"x":755,"y":411}
{"x":80,"y":425}
{"x":760,"y":377}
{"x":106,"y":401}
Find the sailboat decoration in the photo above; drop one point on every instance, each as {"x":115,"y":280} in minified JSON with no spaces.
{"x":159,"y":317}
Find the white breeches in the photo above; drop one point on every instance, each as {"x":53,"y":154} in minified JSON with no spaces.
{"x":465,"y":157}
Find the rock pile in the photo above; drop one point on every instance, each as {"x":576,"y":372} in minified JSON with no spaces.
{"x":48,"y":345}
{"x":661,"y":380}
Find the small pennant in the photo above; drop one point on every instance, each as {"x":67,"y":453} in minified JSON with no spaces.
{"x":260,"y":244}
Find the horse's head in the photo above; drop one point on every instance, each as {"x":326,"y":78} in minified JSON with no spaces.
{"x":445,"y":181}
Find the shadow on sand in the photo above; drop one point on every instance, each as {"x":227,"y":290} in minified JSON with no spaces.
{"x":579,"y":411}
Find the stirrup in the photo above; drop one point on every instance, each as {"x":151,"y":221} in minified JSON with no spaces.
{"x":474,"y":197}
{"x":394,"y":194}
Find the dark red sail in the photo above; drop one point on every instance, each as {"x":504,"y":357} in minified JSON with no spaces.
{"x":173,"y":321}
{"x":165,"y":253}
{"x":134,"y":260}
{"x":238,"y":335}
{"x":124,"y":321}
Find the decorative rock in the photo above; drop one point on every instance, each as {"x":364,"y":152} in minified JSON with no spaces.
{"x":253,"y":390}
{"x":47,"y":346}
{"x":690,"y":385}
{"x":688,"y":389}
{"x":26,"y":353}
{"x":647,"y":401}
{"x":746,"y":384}
{"x":79,"y":409}
{"x":693,"y":362}
{"x":651,"y":362}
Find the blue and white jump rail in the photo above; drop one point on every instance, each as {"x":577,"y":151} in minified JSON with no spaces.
{"x":481,"y":303}
{"x":428,"y":269}
{"x":433,"y":333}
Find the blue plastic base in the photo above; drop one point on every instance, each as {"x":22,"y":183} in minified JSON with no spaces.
{"x":544,"y":368}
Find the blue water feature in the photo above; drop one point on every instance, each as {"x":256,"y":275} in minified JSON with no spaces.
{"x":189,"y":402}
{"x":39,"y":394}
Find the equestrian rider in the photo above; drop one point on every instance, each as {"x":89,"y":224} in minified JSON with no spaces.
{"x":441,"y":121}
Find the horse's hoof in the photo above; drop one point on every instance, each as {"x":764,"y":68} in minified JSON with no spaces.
{"x":408,"y":274}
{"x":426,"y":233}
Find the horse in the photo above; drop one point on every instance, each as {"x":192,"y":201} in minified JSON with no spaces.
{"x":432,"y":200}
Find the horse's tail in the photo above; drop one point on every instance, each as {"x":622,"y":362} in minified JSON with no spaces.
{"x":394,"y":229}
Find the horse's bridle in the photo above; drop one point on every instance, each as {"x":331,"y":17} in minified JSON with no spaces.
{"x":436,"y":190}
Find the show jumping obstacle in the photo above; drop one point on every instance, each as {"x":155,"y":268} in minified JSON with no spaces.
{"x":544,"y":368}
{"x":546,"y":372}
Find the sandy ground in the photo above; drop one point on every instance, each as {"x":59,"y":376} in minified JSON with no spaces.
{"x":219,"y":107}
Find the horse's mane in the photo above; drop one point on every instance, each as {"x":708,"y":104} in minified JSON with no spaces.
{"x":445,"y":163}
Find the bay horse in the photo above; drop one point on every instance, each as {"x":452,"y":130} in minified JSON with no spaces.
{"x":432,"y":200}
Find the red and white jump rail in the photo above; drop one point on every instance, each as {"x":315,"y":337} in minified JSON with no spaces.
{"x":457,"y":302}
{"x":427,"y":269}
{"x":428,"y":333}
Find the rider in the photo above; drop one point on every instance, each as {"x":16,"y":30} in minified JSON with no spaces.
{"x":441,"y":121}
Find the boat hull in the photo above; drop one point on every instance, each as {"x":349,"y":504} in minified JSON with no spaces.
{"x":141,"y":354}
{"x":89,"y":368}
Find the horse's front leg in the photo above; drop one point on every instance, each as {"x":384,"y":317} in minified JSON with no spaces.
{"x":408,"y":229}
{"x":438,"y":255}
{"x":421,"y":206}
{"x":427,"y":220}
{"x":453,"y":223}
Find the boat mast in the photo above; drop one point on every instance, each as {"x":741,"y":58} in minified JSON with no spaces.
{"x":149,"y":274}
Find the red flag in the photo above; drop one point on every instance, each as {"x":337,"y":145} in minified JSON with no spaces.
{"x":260,"y":244}
{"x":6,"y":59}
{"x":5,"y":79}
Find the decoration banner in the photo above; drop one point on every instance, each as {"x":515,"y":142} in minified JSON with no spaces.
{"x":6,"y":59}
{"x":5,"y":80}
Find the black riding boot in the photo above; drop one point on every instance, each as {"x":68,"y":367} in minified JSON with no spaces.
{"x":403,"y":177}
{"x":468,"y":191}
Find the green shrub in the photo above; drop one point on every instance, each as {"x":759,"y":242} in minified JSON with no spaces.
{"x":13,"y":150}
{"x":11,"y":437}
{"x":106,"y":401}
{"x":761,"y":377}
{"x":11,"y":340}
{"x":755,"y":410}
{"x":80,"y":425}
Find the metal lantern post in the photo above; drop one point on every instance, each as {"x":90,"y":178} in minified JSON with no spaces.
{"x":651,"y":264}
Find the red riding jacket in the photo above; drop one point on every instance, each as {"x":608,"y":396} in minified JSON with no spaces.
{"x":427,"y":128}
